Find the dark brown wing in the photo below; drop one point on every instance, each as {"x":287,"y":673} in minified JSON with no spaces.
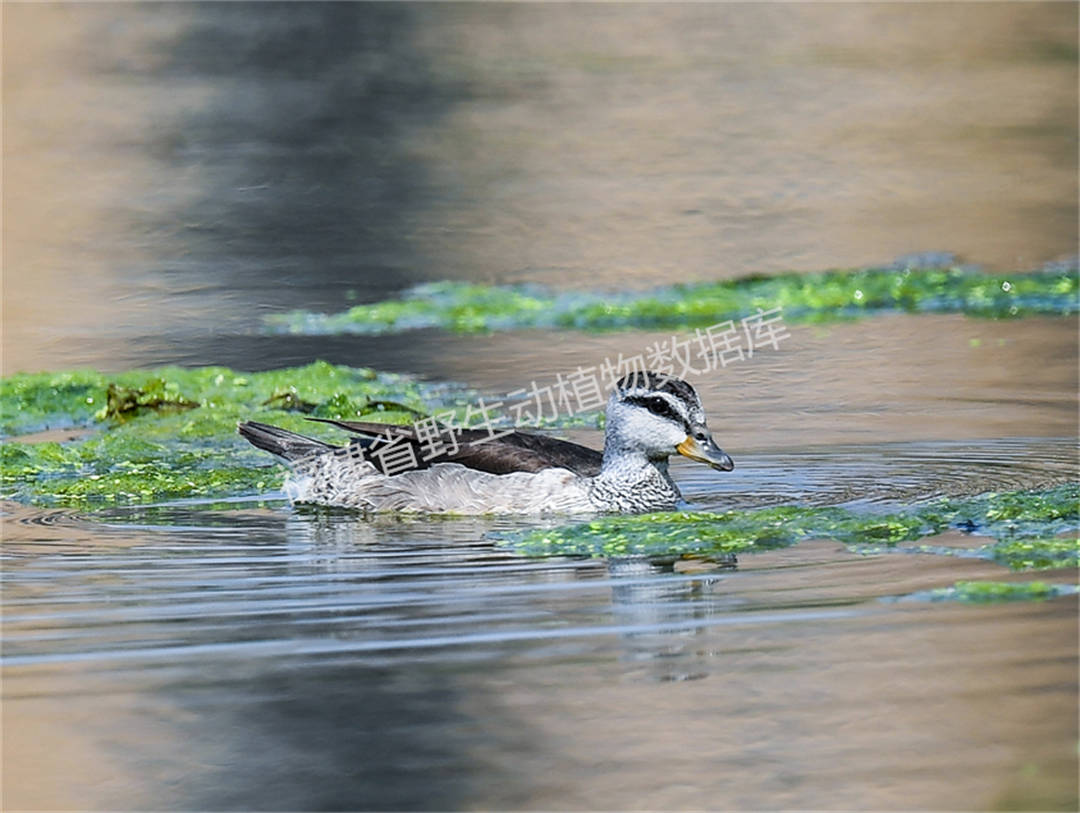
{"x":516,"y":451}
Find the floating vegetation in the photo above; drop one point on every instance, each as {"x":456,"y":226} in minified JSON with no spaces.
{"x":1036,"y":513}
{"x":682,"y":532}
{"x":662,"y":533}
{"x":981,"y":592}
{"x":156,"y":394}
{"x":818,"y":297}
{"x":171,"y":433}
{"x":1037,"y":553}
{"x":1012,"y":514}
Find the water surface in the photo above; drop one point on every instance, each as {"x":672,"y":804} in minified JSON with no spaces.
{"x":175,"y":172}
{"x":273,"y":660}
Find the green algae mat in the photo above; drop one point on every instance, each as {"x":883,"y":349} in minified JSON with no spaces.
{"x":151,"y":436}
{"x":982,"y":592}
{"x":1026,"y":523}
{"x":1025,"y":531}
{"x":814,"y":297}
{"x":170,"y":433}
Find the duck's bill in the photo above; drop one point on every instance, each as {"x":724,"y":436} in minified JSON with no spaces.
{"x":706,"y":452}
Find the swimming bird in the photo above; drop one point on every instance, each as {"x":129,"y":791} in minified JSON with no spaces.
{"x":650,"y":416}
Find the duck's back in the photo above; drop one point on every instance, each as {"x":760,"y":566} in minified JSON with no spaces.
{"x":504,"y":453}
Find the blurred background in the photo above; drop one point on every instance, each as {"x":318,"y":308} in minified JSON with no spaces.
{"x":173,"y":172}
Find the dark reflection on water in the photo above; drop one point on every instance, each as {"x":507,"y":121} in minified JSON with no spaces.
{"x":306,"y":185}
{"x":333,"y":737}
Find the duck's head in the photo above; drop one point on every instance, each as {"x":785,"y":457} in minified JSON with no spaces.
{"x":658,"y":415}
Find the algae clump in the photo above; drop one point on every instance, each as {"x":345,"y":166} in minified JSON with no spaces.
{"x":171,"y":432}
{"x":986,"y":591}
{"x":1022,"y":520}
{"x":803,"y":297}
{"x":1037,"y":553}
{"x":701,"y":533}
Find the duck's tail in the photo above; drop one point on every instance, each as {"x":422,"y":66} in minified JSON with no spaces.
{"x":281,"y":442}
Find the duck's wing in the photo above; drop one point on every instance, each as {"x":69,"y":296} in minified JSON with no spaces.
{"x":281,"y":442}
{"x":515,"y":451}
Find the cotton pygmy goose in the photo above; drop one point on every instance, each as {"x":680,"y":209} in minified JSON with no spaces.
{"x":650,"y":416}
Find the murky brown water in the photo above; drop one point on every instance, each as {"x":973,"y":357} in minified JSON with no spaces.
{"x":173,"y":172}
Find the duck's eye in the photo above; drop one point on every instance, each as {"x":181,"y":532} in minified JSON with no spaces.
{"x":658,"y":406}
{"x":700,"y":435}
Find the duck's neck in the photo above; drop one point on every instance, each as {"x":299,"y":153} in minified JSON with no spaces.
{"x":630,"y":481}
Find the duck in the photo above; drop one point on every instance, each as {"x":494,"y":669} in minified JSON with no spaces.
{"x":650,"y":417}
